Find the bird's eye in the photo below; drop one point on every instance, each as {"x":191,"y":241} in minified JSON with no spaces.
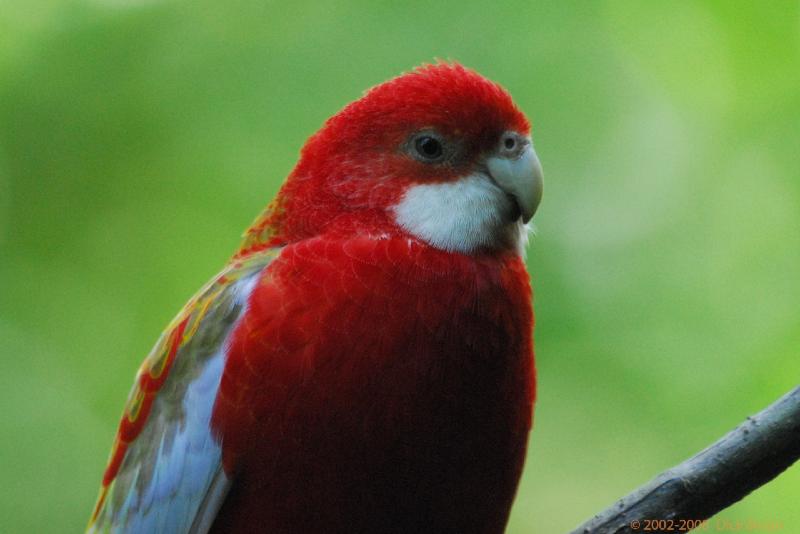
{"x":429,"y":148}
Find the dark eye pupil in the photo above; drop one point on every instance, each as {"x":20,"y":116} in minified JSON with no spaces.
{"x":509,"y":143}
{"x":429,"y":147}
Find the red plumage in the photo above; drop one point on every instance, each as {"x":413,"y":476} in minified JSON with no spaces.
{"x":394,"y":393}
{"x":365,"y":362}
{"x":380,"y":385}
{"x":351,"y":171}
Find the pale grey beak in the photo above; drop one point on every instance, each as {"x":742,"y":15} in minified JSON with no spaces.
{"x":516,"y":169}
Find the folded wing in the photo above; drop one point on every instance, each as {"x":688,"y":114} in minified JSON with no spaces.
{"x":164,"y":473}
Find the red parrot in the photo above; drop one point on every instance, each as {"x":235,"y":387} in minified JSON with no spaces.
{"x":364,"y":363}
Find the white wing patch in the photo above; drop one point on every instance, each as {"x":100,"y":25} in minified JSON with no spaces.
{"x":172,"y":472}
{"x":462,"y":216}
{"x":184,"y":469}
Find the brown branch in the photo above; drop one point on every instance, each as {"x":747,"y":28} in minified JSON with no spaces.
{"x":751,"y":455}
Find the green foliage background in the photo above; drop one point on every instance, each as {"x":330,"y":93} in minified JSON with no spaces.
{"x":139,"y":138}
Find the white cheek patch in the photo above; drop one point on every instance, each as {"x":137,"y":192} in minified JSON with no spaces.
{"x":461,"y":216}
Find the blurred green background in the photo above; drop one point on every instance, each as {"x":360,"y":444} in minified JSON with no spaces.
{"x":139,"y":138}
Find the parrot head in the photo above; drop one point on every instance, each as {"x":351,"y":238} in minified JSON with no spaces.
{"x":440,"y":153}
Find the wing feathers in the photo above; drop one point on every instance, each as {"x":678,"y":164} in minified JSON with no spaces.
{"x":165,"y":473}
{"x":211,"y":504}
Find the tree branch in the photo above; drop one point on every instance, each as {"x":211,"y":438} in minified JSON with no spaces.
{"x":751,"y":455}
